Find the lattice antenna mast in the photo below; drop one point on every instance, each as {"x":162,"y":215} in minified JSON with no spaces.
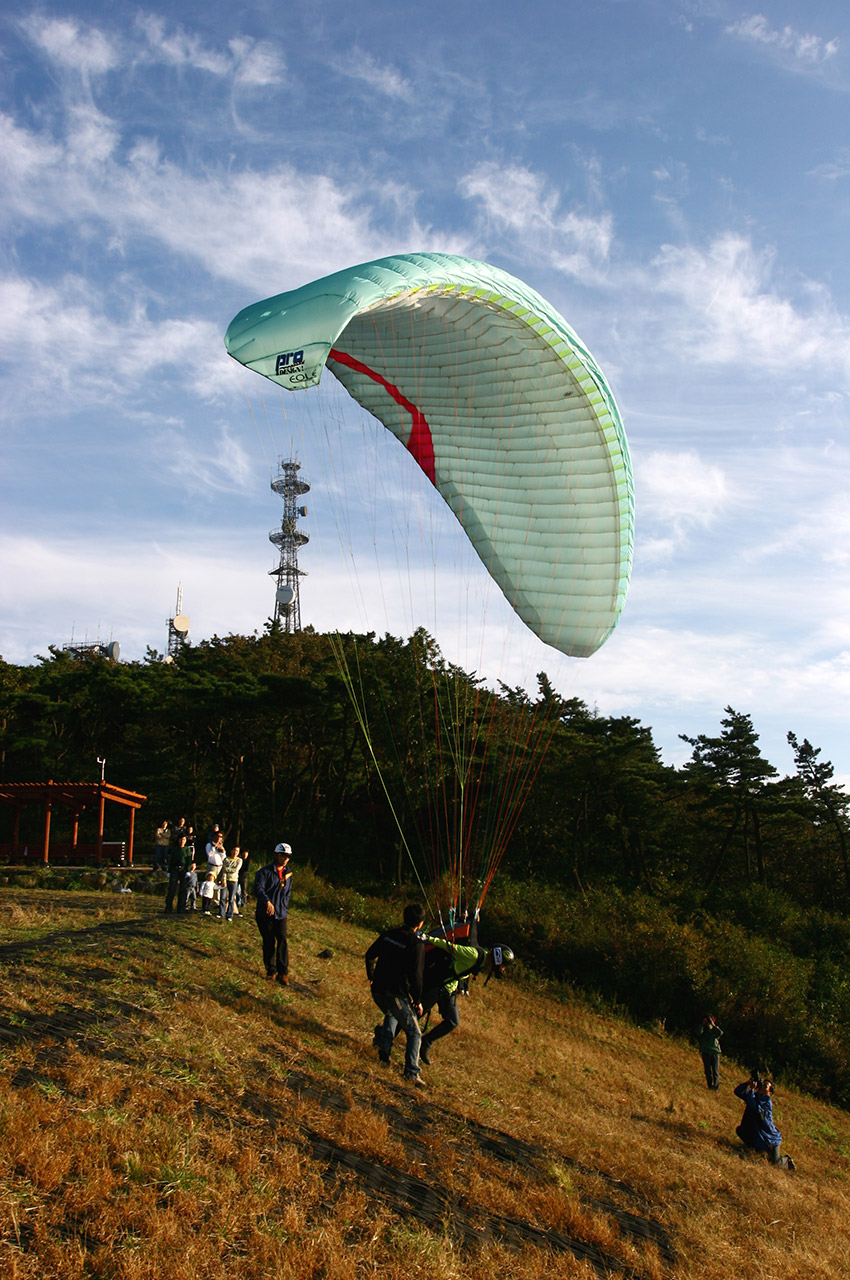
{"x":288,"y":538}
{"x":178,"y":628}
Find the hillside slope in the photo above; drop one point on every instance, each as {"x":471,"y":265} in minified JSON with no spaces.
{"x":165,"y":1110}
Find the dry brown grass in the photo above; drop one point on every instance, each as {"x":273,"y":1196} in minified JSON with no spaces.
{"x":165,"y":1111}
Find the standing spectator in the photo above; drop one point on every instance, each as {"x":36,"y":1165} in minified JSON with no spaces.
{"x":272,"y":889}
{"x":190,"y":888}
{"x":242,"y":895}
{"x":190,"y":841}
{"x":216,"y":853}
{"x":230,"y":869}
{"x":179,"y":830}
{"x":758,"y":1103}
{"x":161,"y":844}
{"x":709,"y":1036}
{"x":178,"y":861}
{"x":207,"y":893}
{"x":395,"y":965}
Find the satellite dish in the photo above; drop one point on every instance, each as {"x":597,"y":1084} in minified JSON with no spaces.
{"x":113,"y":650}
{"x":284,"y":595}
{"x":181,"y":624}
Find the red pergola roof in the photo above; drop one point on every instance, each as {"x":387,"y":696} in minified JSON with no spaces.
{"x":74,"y":796}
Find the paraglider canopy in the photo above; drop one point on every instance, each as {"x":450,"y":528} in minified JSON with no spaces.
{"x":500,"y":404}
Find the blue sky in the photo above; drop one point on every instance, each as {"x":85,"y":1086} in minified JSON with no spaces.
{"x":674,"y":177}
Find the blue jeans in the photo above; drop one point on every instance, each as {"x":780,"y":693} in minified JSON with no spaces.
{"x":227,"y":899}
{"x":399,"y":1015}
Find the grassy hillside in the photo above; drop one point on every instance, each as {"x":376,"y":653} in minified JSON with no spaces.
{"x":166,"y":1111}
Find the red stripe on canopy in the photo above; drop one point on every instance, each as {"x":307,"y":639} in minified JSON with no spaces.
{"x":419,"y":442}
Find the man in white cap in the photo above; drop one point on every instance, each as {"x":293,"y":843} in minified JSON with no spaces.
{"x":272,"y":887}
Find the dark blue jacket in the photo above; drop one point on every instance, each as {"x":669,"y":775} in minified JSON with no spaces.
{"x":760,"y":1114}
{"x":268,"y":887}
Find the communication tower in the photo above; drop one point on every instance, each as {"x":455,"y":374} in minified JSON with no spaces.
{"x":178,"y":628}
{"x":288,"y":538}
{"x":81,"y":648}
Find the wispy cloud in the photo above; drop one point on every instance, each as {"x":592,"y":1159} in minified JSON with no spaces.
{"x":250,"y":63}
{"x":834,"y":170}
{"x":218,"y":466}
{"x":68,"y":44}
{"x":678,"y":493}
{"x":361,"y":65}
{"x":515,"y":199}
{"x":794,"y":48}
{"x":67,"y":351}
{"x":246,"y":226}
{"x":731,"y":315}
{"x":179,"y":47}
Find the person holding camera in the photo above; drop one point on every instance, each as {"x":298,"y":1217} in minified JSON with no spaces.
{"x":709,"y":1036}
{"x":759,"y":1130}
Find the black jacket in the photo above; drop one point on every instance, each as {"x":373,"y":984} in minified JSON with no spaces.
{"x":395,"y":964}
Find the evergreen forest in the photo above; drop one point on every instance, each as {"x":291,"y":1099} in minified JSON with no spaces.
{"x":665,"y":893}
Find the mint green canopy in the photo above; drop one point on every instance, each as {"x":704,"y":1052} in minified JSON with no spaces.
{"x":500,"y":404}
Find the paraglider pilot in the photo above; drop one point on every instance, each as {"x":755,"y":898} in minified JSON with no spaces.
{"x":395,"y":965}
{"x":447,"y":964}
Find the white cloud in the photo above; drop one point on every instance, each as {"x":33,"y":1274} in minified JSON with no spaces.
{"x":797,"y":46}
{"x":257,"y":63}
{"x":67,"y":351}
{"x":180,"y":48}
{"x":66,"y":43}
{"x":251,"y":63}
{"x":256,"y":228}
{"x":834,"y":170}
{"x":92,"y":137}
{"x":218,"y":466}
{"x":519,"y":201}
{"x":731,"y":315}
{"x":678,"y":492}
{"x":360,"y":65}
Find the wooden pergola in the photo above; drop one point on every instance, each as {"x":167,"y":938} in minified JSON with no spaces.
{"x":75,"y":796}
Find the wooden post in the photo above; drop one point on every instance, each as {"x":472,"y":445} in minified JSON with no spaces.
{"x":132,"y":830}
{"x":100,"y":829}
{"x":47,"y":810}
{"x":75,"y":832}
